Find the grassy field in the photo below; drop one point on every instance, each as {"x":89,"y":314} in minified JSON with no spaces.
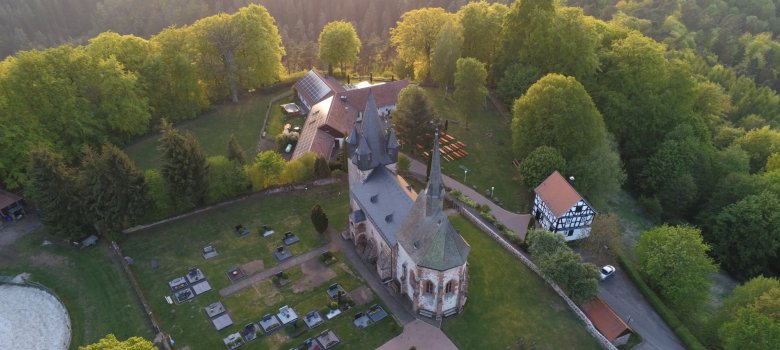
{"x":177,"y":247}
{"x":508,"y":302}
{"x":97,"y":296}
{"x":213,"y":130}
{"x":488,"y":140}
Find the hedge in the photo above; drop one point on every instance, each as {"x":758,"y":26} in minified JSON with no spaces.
{"x":689,"y":340}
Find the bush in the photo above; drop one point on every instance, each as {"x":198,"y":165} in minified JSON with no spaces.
{"x":403,"y":163}
{"x":651,"y":206}
{"x":336,"y":173}
{"x":282,"y":140}
{"x":226,"y":179}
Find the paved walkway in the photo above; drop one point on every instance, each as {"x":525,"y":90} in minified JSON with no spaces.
{"x":515,"y":222}
{"x":422,"y":336}
{"x":392,"y":301}
{"x":262,"y":275}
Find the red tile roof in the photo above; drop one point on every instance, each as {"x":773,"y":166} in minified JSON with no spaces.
{"x":605,"y":320}
{"x":339,"y":115}
{"x":558,"y":193}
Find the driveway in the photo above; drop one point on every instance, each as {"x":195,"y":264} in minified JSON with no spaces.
{"x":420,"y":335}
{"x":623,"y":297}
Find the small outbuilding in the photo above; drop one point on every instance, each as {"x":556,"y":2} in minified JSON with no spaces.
{"x":11,"y":206}
{"x":607,"y":322}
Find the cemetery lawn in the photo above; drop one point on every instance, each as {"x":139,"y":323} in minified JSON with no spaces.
{"x":488,"y":140}
{"x":213,"y":129}
{"x":508,"y":302}
{"x":95,"y":291}
{"x":177,"y":246}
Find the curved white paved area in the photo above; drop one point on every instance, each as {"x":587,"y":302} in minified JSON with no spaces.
{"x":422,"y":336}
{"x":32,"y":319}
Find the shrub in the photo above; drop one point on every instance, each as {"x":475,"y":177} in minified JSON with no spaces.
{"x":403,"y":163}
{"x":225,"y":179}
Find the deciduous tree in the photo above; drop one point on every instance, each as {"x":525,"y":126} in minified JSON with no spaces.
{"x":746,"y":235}
{"x":414,"y":37}
{"x":266,"y":169}
{"x":605,"y":236}
{"x":446,"y":52}
{"x":470,"y":90}
{"x":226,"y":179}
{"x":539,"y":164}
{"x":339,"y":45}
{"x":481,"y":24}
{"x":674,"y":258}
{"x":540,"y":119}
{"x":110,"y":342}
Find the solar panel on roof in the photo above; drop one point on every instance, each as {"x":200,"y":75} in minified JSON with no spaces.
{"x":314,"y":86}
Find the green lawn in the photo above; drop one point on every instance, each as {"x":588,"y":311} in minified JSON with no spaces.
{"x":488,"y":140}
{"x":213,"y":130}
{"x":95,"y":291}
{"x":177,"y":247}
{"x":277,"y":119}
{"x":508,"y":302}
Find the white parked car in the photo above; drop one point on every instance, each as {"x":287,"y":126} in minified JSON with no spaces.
{"x":606,"y":272}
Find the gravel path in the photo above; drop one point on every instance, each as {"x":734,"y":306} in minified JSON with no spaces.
{"x":32,"y":319}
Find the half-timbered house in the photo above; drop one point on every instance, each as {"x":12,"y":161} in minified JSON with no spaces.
{"x":559,"y":208}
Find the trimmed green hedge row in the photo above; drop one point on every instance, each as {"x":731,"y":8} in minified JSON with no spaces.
{"x":689,"y":340}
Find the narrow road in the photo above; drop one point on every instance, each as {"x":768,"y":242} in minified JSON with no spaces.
{"x":623,"y":297}
{"x":515,"y":222}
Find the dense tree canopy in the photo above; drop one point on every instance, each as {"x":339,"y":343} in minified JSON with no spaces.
{"x":470,"y":90}
{"x":481,"y":24}
{"x":539,"y":164}
{"x":110,"y":342}
{"x":339,"y":45}
{"x":415,"y":36}
{"x":746,"y":235}
{"x":184,"y":167}
{"x":56,"y":189}
{"x":446,"y":52}
{"x":542,"y":118}
{"x":674,"y":259}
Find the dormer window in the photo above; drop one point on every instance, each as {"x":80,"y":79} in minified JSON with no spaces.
{"x":375,"y":198}
{"x":389,"y":218}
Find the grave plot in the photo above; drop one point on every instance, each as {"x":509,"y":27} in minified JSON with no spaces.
{"x":269,"y":323}
{"x":235,"y":273}
{"x":287,"y":314}
{"x":361,"y":320}
{"x":311,"y":344}
{"x":266,"y":231}
{"x":218,"y":315}
{"x":233,"y":341}
{"x":328,"y":339}
{"x":290,"y":239}
{"x":281,"y":253}
{"x":209,"y":252}
{"x":376,"y":313}
{"x":241,"y":231}
{"x":313,"y":319}
{"x":251,"y":332}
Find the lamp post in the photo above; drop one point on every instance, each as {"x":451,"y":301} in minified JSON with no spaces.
{"x":465,"y":172}
{"x":491,"y":191}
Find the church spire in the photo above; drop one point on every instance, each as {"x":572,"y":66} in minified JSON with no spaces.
{"x":435,"y":188}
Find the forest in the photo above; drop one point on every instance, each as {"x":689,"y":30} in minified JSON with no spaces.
{"x":674,"y":101}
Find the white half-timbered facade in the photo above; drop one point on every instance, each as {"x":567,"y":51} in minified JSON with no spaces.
{"x":559,"y":208}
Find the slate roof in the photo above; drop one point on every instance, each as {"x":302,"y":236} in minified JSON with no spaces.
{"x":389,"y":199}
{"x":558,"y":193}
{"x":427,"y":234}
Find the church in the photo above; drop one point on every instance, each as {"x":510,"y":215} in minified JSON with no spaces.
{"x":404,"y":235}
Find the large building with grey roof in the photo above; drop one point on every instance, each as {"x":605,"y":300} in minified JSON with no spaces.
{"x":406,"y":236}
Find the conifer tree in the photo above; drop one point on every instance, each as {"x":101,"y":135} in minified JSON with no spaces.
{"x":319,"y":219}
{"x":235,"y":152}
{"x":184,"y":167}
{"x":321,"y":168}
{"x":115,"y":190}
{"x":55,"y":189}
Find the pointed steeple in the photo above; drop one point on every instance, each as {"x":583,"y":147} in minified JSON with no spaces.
{"x":435,"y":188}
